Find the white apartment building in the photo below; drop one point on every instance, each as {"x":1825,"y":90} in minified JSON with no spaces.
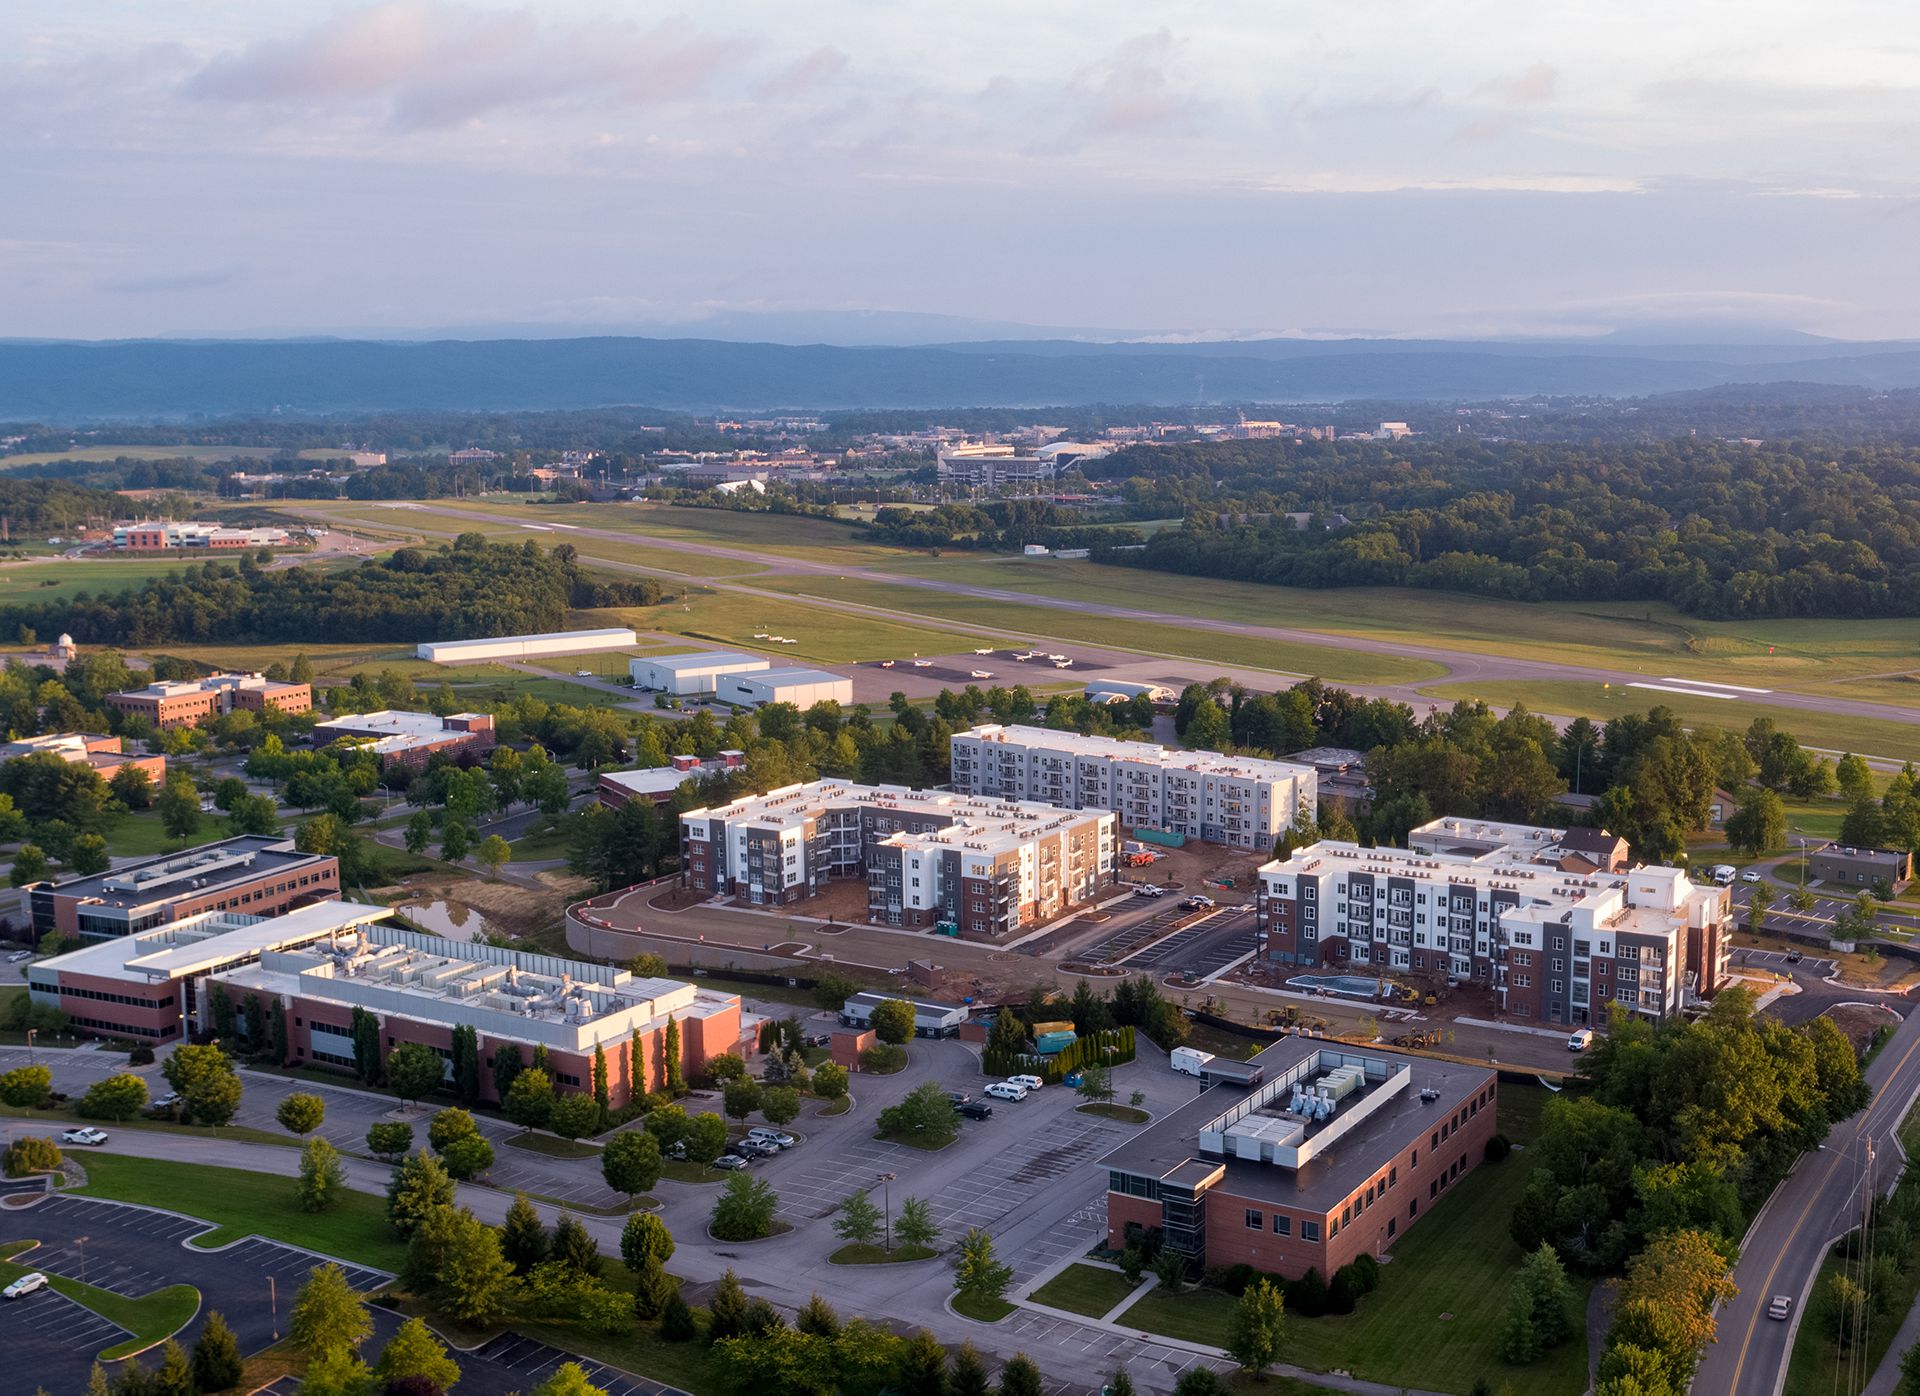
{"x":1236,"y":800}
{"x":1553,"y":945}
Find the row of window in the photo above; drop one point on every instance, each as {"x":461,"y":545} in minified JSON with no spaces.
{"x":131,"y":1000}
{"x":119,"y":1029}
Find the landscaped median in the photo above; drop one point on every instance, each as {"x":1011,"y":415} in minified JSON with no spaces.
{"x":1084,"y":1289}
{"x":857,"y":1253}
{"x":150,"y":1319}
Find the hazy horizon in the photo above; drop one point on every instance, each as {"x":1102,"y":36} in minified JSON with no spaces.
{"x":1491,"y":170}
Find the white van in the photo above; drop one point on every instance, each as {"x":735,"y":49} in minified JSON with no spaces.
{"x":1722,"y":874}
{"x":1580,"y":1040}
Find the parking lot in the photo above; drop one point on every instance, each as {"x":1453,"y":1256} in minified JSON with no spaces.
{"x":1203,"y":948}
{"x":1779,"y":959}
{"x":532,"y":1363}
{"x":47,"y":1327}
{"x":1129,"y":940}
{"x":1105,"y":1351}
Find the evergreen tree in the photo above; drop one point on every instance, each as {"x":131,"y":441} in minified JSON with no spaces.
{"x":507,"y":1064}
{"x":817,"y":1317}
{"x":600,"y":1091}
{"x":923,"y":1368}
{"x":217,"y":1362}
{"x":727,"y":1310}
{"x":672,"y":1077}
{"x":420,"y":1185}
{"x":466,"y":1065}
{"x":652,"y":1288}
{"x":175,"y":1374}
{"x":523,"y":1240}
{"x":413,"y":1352}
{"x":969,"y":1376}
{"x":574,"y":1247}
{"x":676,"y":1320}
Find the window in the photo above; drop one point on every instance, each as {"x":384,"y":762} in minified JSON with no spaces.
{"x":1346,"y":1214}
{"x":1309,"y":1231}
{"x":1433,"y":1188}
{"x":1282,"y":1226}
{"x":1413,"y":1160}
{"x":1255,"y":1221}
{"x":1393,"y":1176}
{"x":1392,"y":1224}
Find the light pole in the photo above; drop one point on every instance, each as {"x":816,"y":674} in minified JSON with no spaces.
{"x":886,"y":1196}
{"x":31,"y":1034}
{"x":273,"y":1302}
{"x":80,"y":1245}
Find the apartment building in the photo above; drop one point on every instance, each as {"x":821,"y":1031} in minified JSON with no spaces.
{"x":103,"y":755}
{"x":1323,"y":1154}
{"x":189,"y":702}
{"x":983,"y":866}
{"x":1235,"y":800}
{"x":258,"y":874}
{"x":422,"y":987}
{"x":408,"y":739}
{"x":1553,"y":945}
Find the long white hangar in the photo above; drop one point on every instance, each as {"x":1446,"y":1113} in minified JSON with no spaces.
{"x":684,"y":674}
{"x":525,"y":646}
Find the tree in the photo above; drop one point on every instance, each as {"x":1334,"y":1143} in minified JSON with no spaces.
{"x":328,"y":1318}
{"x":574,"y":1247}
{"x":1119,"y":1384}
{"x":389,"y":1138}
{"x":573,"y":1116}
{"x":529,"y":1101}
{"x":117,"y":1097}
{"x":1170,"y":1268}
{"x":448,"y":1125}
{"x":217,"y":1363}
{"x":645,"y":1238}
{"x":1854,"y":778}
{"x":723,"y":1067}
{"x":301,"y":1113}
{"x":653,"y":1288}
{"x":744,"y":1210}
{"x":179,"y":806}
{"x":466,"y":1064}
{"x":830,"y":1081}
{"x":978,"y":1273}
{"x":676,"y":1319}
{"x":647,"y":965}
{"x":1096,"y":1083}
{"x":365,"y":1030}
{"x":668,"y":1125}
{"x":925,"y":1113}
{"x":892,"y":1021}
{"x":602,"y":1096}
{"x":209,"y":1089}
{"x":337,"y":1374}
{"x":915,"y":1225}
{"x":1680,"y":1275}
{"x":413,"y":1351}
{"x":322,"y":1177}
{"x":969,"y":1376}
{"x":630,"y":1162}
{"x":507,"y":1067}
{"x":415,"y":1071}
{"x":254,"y":814}
{"x":568,"y":1380}
{"x":493,"y":854}
{"x":456,"y":838}
{"x":673,"y":1074}
{"x":523,"y":1240}
{"x":31,"y":1153}
{"x":419,"y":835}
{"x":923,"y":1367}
{"x":132,"y":787}
{"x":472,"y":1280}
{"x":1758,"y":825}
{"x":420,"y":1187}
{"x":1199,"y":1381}
{"x":779,"y":1105}
{"x":742,"y":1098}
{"x":1910,"y":1371}
{"x":727,"y":1309}
{"x":706,"y":1136}
{"x":859,"y":1220}
{"x":468,"y":1156}
{"x":29,"y":865}
{"x":175,"y":1374}
{"x":1020,"y":1377}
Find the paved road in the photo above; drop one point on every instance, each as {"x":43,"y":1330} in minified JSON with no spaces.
{"x":1457,"y":665}
{"x":1784,"y":1247}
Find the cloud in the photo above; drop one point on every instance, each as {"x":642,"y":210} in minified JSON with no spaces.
{"x":437,"y":66}
{"x":1533,"y":88}
{"x":817,"y":69}
{"x":1129,"y":91}
{"x":169,"y":283}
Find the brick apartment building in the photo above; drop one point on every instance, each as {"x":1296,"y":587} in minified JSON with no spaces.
{"x":106,"y":756}
{"x":1237,"y":800}
{"x":1330,"y":1153}
{"x":256,"y":874}
{"x":985,"y":866}
{"x":189,"y":702}
{"x":1494,"y":905}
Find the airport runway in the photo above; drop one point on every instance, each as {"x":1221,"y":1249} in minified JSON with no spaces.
{"x":1459,"y":666}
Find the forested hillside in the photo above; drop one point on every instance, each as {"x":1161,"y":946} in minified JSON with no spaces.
{"x":1720,"y":529}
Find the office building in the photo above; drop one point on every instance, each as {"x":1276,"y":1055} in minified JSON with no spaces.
{"x":1861,"y":867}
{"x":525,"y":646}
{"x":985,"y":867}
{"x":687,"y":674}
{"x":422,"y":987}
{"x":657,"y":785}
{"x":800,"y":687}
{"x":159,"y":536}
{"x":1320,"y":1155}
{"x":1236,"y":800}
{"x":258,"y":874}
{"x":1494,"y":908}
{"x":151,"y":984}
{"x":408,"y":738}
{"x":189,"y":702}
{"x":106,"y":756}
{"x":931,"y":1018}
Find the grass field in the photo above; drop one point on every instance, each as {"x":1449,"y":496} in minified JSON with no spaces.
{"x":828,"y":637}
{"x":59,"y":579}
{"x":137,"y":835}
{"x":243,"y":1204}
{"x":1831,"y":731}
{"x":152,"y":1318}
{"x":1083,"y":1289}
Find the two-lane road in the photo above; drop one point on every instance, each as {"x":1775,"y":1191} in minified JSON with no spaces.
{"x":1784,"y":1247}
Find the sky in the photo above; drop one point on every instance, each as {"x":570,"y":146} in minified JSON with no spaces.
{"x":1457,"y":168}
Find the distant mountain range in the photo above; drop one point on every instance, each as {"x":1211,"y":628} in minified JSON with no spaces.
{"x":69,"y":382}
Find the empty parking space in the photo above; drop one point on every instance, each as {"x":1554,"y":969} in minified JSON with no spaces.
{"x":291,"y":1265}
{"x":1124,"y":943}
{"x":536,"y":1361}
{"x":1104,"y":1350}
{"x":1781,"y":959}
{"x":49,"y":1321}
{"x":1201,"y":949}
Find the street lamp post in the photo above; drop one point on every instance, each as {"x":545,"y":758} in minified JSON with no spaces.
{"x":886,"y":1195}
{"x":31,"y":1034}
{"x":273,"y":1302}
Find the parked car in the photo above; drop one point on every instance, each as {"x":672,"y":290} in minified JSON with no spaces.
{"x":25,"y":1285}
{"x":1580,"y":1039}
{"x":1749,"y":876}
{"x":1778,"y":1307}
{"x":1006,"y":1090}
{"x":1198,"y":904}
{"x":1794,"y":957}
{"x":167,"y":1101}
{"x":1032,"y":1083}
{"x":959,"y":1098}
{"x":583,"y":673}
{"x":17,"y":956}
{"x":780,"y":1139}
{"x":86,"y":1134}
{"x":755,"y":1148}
{"x":1147,"y":889}
{"x":729,"y":1162}
{"x":977,"y":1110}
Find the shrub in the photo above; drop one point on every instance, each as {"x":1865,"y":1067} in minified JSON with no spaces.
{"x":883,"y":1057}
{"x":142,"y":1055}
{"x":1230,"y":1279}
{"x":31,"y":1153}
{"x":676,"y":1320}
{"x":1498,"y":1148}
{"x":1307,"y":1296}
{"x":1342,"y":1294}
{"x":1366,"y":1273}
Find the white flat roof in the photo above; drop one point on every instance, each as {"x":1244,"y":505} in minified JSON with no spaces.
{"x":703,"y":659}
{"x":795,"y":675}
{"x":657,"y":780}
{"x":1147,"y":753}
{"x":214,"y":938}
{"x":618,"y":633}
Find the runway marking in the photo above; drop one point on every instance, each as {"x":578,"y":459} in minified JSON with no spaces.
{"x":1704,"y":683}
{"x":1689,"y":692}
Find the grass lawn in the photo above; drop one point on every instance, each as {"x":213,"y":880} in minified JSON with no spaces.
{"x":983,"y":1310}
{"x":554,"y":1147}
{"x":152,"y":1318}
{"x":139,"y":835}
{"x":840,"y":1106}
{"x":1083,"y":1289}
{"x":1107,"y":1110}
{"x":824,"y":636}
{"x":681,"y":1171}
{"x":1198,"y":1316}
{"x":61,"y":579}
{"x":547,"y":843}
{"x":856,"y":1254}
{"x":243,"y":1204}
